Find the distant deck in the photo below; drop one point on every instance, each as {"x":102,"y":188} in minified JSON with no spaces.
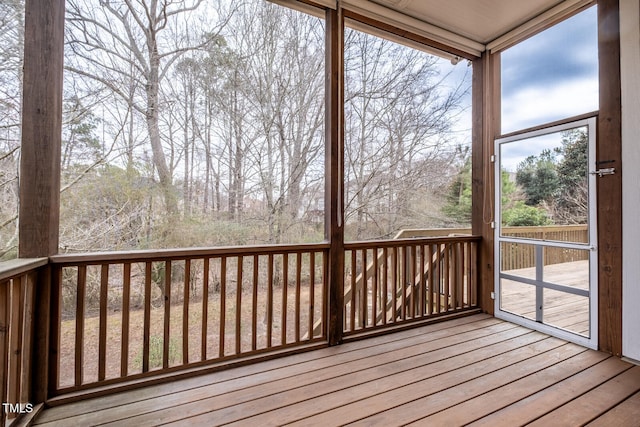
{"x":475,"y":369}
{"x":562,"y":310}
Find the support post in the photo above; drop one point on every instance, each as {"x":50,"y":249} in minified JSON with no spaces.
{"x":334,"y":172}
{"x":609,"y":153}
{"x":485,"y":127}
{"x":40,"y":165}
{"x":41,"y":128}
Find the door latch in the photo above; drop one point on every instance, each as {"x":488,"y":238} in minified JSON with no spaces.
{"x":603,"y":172}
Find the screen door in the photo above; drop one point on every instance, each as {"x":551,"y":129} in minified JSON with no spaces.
{"x":546,"y":249}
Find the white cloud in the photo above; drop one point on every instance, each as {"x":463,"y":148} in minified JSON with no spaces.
{"x":539,"y":105}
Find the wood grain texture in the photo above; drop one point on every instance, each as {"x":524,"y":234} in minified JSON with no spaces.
{"x":475,"y":369}
{"x":41,"y":128}
{"x":609,"y":188}
{"x":334,"y":171}
{"x":485,"y":127}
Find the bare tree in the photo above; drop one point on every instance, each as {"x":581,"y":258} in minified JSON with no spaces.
{"x":398,"y":124}
{"x":11,"y":51}
{"x":115,"y":42}
{"x":283,"y":86}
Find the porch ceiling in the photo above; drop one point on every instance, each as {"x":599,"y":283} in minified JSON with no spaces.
{"x":480,"y":20}
{"x":470,"y":25}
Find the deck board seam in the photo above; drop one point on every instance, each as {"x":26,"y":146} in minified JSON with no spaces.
{"x":393,"y":343}
{"x":524,"y":331}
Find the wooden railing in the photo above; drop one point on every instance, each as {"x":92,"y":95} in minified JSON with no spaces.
{"x":127,"y":315}
{"x":18,"y":280}
{"x":401,"y":280}
{"x":516,"y":255}
{"x":120,"y":318}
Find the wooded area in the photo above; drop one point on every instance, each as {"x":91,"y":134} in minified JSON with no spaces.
{"x":193,"y":123}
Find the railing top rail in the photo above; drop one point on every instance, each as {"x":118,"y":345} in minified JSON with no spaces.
{"x":547,"y":228}
{"x":183,"y":253}
{"x":430,"y":232}
{"x":16,"y":267}
{"x":410,"y":241}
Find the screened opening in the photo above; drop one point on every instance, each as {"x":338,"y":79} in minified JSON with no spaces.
{"x":407,"y":138}
{"x":11,"y":54}
{"x":192,"y":126}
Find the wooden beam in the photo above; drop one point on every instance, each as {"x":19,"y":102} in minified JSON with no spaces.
{"x":41,"y":128}
{"x":485,"y":127}
{"x":334,"y":171}
{"x":609,"y":154}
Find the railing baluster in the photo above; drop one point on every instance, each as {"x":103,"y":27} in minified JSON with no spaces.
{"x":374,"y":284}
{"x":185,"y":311}
{"x":453,"y":268}
{"x":430,"y":292}
{"x":412,"y":279}
{"x":473,"y":273}
{"x":325,"y":291}
{"x":385,"y":290}
{"x":353,"y":289}
{"x":364,"y":290}
{"x":269,"y":299}
{"x":312,"y":292}
{"x":404,"y":279}
{"x":27,"y":335}
{"x":223,"y":304}
{"x":15,"y":341}
{"x":421,"y":287}
{"x":5,"y":310}
{"x":298,"y":279}
{"x":205,"y":308}
{"x":126,"y":297}
{"x":79,"y":350}
{"x":239,"y":304}
{"x":285,"y":283}
{"x":102,"y":333}
{"x":254,"y":304}
{"x":438,"y":285}
{"x":394,"y":280}
{"x":460,"y":280}
{"x":167,"y":315}
{"x":147,"y":316}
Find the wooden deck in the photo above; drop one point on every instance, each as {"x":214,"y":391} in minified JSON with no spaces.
{"x":476,"y":369}
{"x":561,"y":310}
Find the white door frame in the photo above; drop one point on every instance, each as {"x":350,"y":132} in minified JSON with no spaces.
{"x":592,"y":340}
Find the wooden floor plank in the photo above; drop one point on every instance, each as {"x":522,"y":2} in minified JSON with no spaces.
{"x":407,"y":412}
{"x":544,"y":401}
{"x":626,"y":414}
{"x":287,"y":407}
{"x":291,"y":365}
{"x":472,"y":409}
{"x":234,"y":405}
{"x":595,"y":402}
{"x":450,"y":373}
{"x":349,"y":404}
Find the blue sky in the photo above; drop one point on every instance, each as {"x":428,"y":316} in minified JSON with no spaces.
{"x":552,"y":75}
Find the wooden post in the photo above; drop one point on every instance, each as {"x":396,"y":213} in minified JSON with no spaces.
{"x":41,"y":128}
{"x":486,"y":125}
{"x":334,"y":171}
{"x":40,"y":165}
{"x":609,"y":155}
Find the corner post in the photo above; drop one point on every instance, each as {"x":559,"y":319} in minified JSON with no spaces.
{"x":609,"y":188}
{"x":40,"y":164}
{"x":334,"y":171}
{"x":485,"y":127}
